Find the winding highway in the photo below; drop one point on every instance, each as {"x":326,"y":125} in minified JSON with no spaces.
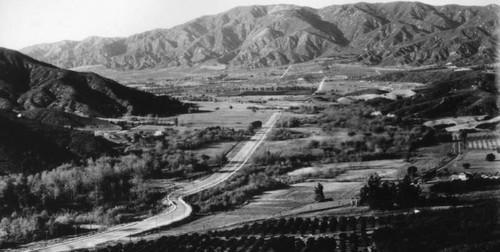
{"x":180,"y":209}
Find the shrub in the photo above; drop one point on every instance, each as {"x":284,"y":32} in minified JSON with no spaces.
{"x":490,"y":157}
{"x":466,"y":165}
{"x":313,"y":144}
{"x":412,"y":171}
{"x":254,"y":125}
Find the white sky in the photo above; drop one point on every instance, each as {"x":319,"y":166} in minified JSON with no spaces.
{"x":29,"y":22}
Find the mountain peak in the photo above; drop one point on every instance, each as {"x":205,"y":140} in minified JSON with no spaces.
{"x":266,"y":35}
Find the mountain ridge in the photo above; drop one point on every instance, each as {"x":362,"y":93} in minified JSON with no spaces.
{"x":26,"y":83}
{"x":394,"y":33}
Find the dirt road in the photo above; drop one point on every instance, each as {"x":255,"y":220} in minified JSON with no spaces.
{"x":180,"y":209}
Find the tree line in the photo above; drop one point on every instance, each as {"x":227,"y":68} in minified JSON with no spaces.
{"x":31,"y":204}
{"x":208,"y":242}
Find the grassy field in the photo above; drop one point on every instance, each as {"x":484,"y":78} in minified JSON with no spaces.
{"x":216,"y":149}
{"x":220,"y":114}
{"x":356,"y":171}
{"x":322,"y":66}
{"x":478,"y":163}
{"x":298,"y":199}
{"x":429,"y":157}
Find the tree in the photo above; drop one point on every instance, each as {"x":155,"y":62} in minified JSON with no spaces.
{"x":411,"y":171}
{"x":384,"y":195}
{"x":318,"y":193}
{"x":314,"y":144}
{"x":221,"y":159}
{"x":490,"y":157}
{"x":160,"y":147}
{"x":204,"y":159}
{"x":408,"y":195}
{"x":254,"y":125}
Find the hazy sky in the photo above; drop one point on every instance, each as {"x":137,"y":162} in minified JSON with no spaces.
{"x":29,"y":22}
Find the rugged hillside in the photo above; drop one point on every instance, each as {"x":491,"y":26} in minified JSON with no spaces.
{"x":63,"y":119}
{"x":26,"y":84}
{"x":449,"y":94}
{"x":29,"y":146}
{"x":256,"y":36}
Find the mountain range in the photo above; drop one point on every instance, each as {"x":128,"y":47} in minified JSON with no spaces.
{"x":26,"y":83}
{"x":395,"y":33}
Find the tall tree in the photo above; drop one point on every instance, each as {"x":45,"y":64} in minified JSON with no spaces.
{"x":318,"y":193}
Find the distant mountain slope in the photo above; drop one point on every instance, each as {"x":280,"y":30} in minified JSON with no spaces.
{"x":449,"y":94}
{"x":256,"y":36}
{"x":26,"y":84}
{"x":29,"y":146}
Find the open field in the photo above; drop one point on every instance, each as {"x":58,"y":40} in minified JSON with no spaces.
{"x":218,"y":80}
{"x":216,"y":149}
{"x":356,"y":171}
{"x":321,"y":66}
{"x":239,"y":117}
{"x":298,"y":199}
{"x":428,"y":157}
{"x":453,"y":120}
{"x":230,"y":114}
{"x":478,"y":163}
{"x":344,"y":87}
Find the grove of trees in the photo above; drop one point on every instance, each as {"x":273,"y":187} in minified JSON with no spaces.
{"x":389,"y":195}
{"x":246,"y":183}
{"x":102,"y":191}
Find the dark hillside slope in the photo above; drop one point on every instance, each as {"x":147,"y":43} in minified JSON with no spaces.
{"x":26,"y":84}
{"x":464,"y":93}
{"x":59,"y":118}
{"x":28,"y":146}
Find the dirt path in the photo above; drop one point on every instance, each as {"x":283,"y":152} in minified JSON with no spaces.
{"x":180,"y":209}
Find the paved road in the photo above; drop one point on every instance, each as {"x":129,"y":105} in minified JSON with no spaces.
{"x":180,"y":209}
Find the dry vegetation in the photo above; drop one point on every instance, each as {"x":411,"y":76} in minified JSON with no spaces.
{"x":316,"y":141}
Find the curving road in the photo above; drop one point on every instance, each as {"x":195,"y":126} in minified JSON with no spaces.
{"x":180,"y":209}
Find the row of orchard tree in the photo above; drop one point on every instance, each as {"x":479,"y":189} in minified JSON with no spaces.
{"x":424,"y":231}
{"x":206,"y":242}
{"x":306,"y":226}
